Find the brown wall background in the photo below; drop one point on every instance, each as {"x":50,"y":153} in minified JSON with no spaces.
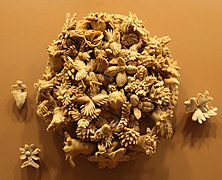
{"x":194,"y":152}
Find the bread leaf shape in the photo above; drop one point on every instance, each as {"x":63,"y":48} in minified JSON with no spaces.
{"x":131,"y":69}
{"x":112,"y":71}
{"x":137,"y":113}
{"x":79,"y":65}
{"x":211,"y":112}
{"x":70,"y":21}
{"x":204,"y":99}
{"x":121,"y":79}
{"x":20,"y":98}
{"x":93,"y":38}
{"x":111,"y":35}
{"x":19,"y":93}
{"x":166,"y":129}
{"x":198,"y":116}
{"x":121,"y":62}
{"x":58,"y":119}
{"x":75,"y":114}
{"x":100,"y":99}
{"x":82,"y":99}
{"x":191,"y":105}
{"x":102,"y":64}
{"x":88,"y":108}
{"x":128,"y":137}
{"x":83,"y":123}
{"x":80,"y":75}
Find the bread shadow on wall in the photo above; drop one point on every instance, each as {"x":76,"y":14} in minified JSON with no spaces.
{"x":30,"y":173}
{"x":139,"y":169}
{"x":196,"y":134}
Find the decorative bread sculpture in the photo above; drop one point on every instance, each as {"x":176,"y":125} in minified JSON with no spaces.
{"x":30,"y":156}
{"x":19,"y":93}
{"x":200,"y":108}
{"x":109,"y":87}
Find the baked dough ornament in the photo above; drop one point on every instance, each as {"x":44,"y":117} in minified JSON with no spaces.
{"x":19,"y":93}
{"x":109,"y":88}
{"x":30,"y":156}
{"x":199,"y":107}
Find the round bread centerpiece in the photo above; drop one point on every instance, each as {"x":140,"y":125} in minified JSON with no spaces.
{"x":109,"y":88}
